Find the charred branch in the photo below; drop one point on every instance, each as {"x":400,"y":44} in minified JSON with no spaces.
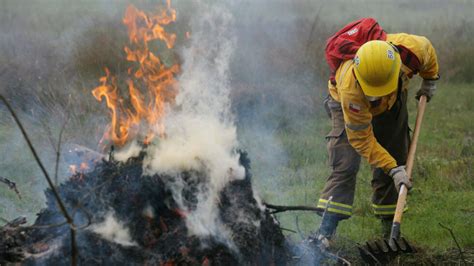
{"x":281,"y":208}
{"x":11,"y":185}
{"x":69,"y":219}
{"x":12,"y":238}
{"x":289,"y":230}
{"x":157,"y":227}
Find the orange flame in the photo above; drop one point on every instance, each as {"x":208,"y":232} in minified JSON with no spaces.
{"x":148,"y":74}
{"x":73,"y":169}
{"x":83,"y":166}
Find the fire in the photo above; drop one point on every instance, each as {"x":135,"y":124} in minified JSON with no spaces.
{"x":73,"y":169}
{"x":81,"y":168}
{"x":151,"y":84}
{"x":78,"y":171}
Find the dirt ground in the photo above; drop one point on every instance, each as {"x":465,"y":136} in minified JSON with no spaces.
{"x":422,"y":257}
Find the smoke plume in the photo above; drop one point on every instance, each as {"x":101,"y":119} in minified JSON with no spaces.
{"x":201,"y":135}
{"x":113,"y":230}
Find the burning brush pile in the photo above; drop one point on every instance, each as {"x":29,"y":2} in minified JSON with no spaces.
{"x":176,"y":190}
{"x":124,"y":216}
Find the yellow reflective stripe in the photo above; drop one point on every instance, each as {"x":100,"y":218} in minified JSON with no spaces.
{"x":384,"y":206}
{"x":339,"y":211}
{"x":336,"y":203}
{"x":388,"y":212}
{"x":349,"y":213}
{"x":384,"y":212}
{"x":335,"y":207}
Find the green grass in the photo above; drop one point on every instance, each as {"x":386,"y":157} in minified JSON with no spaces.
{"x":443,"y":184}
{"x":443,"y":168}
{"x":17,"y":164}
{"x":443,"y":178}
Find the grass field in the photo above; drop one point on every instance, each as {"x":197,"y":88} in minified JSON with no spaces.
{"x":56,"y":50}
{"x":443,"y":177}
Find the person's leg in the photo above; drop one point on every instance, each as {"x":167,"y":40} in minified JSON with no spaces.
{"x":340,"y":185}
{"x":384,"y":199}
{"x":392,"y":132}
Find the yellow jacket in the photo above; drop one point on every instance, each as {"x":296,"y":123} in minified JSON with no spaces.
{"x":356,"y":108}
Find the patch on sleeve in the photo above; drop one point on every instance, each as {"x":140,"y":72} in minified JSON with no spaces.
{"x":354,"y":107}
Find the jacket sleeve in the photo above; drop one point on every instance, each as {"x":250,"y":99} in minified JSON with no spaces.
{"x":424,"y":51}
{"x":358,"y":118}
{"x":428,"y":59}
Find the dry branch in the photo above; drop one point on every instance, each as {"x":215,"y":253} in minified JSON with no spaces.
{"x":298,"y":227}
{"x":280,"y":208}
{"x":69,"y":219}
{"x":11,"y":185}
{"x":461,"y":252}
{"x":60,"y":138}
{"x":11,"y":241}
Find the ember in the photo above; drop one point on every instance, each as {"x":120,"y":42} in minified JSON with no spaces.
{"x":136,"y":220}
{"x":184,"y":197}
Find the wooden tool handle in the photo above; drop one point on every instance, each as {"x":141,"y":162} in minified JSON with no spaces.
{"x":416,"y":134}
{"x":397,"y":219}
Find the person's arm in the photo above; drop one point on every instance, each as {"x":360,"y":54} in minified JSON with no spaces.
{"x":428,"y":67}
{"x":426,"y":54}
{"x":424,"y":51}
{"x":358,"y":123}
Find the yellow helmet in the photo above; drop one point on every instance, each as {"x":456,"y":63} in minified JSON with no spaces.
{"x":377,"y":67}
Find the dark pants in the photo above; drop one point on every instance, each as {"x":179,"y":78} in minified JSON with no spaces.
{"x":392,"y":132}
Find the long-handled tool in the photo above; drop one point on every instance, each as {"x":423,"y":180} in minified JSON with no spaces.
{"x":383,"y":251}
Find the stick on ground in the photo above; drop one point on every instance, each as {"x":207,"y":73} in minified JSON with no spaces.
{"x":461,"y":252}
{"x":280,"y":208}
{"x":65,"y":213}
{"x":11,"y":185}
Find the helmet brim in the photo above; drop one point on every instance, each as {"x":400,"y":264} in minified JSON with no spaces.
{"x":385,"y":89}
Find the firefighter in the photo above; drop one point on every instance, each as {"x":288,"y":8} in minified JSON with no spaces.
{"x":368,"y":108}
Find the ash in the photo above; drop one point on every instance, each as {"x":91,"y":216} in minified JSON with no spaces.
{"x":124,"y":216}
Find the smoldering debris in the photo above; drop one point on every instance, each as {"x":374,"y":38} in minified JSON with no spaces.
{"x":113,"y":230}
{"x":135,"y":218}
{"x":12,"y":238}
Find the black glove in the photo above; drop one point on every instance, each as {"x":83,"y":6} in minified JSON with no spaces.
{"x":427,"y":88}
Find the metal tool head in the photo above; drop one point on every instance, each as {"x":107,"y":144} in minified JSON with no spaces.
{"x":383,"y":251}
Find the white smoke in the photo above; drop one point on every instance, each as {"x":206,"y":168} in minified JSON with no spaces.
{"x":148,"y":212}
{"x":201,"y":135}
{"x":113,"y":230}
{"x":199,"y":143}
{"x":130,"y":150}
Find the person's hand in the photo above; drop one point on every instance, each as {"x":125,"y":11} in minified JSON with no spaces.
{"x":427,"y":88}
{"x":400,"y":176}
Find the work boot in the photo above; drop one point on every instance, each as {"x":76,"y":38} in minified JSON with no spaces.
{"x":386,"y":227}
{"x":321,"y":242}
{"x":326,"y":231}
{"x":329,"y":225}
